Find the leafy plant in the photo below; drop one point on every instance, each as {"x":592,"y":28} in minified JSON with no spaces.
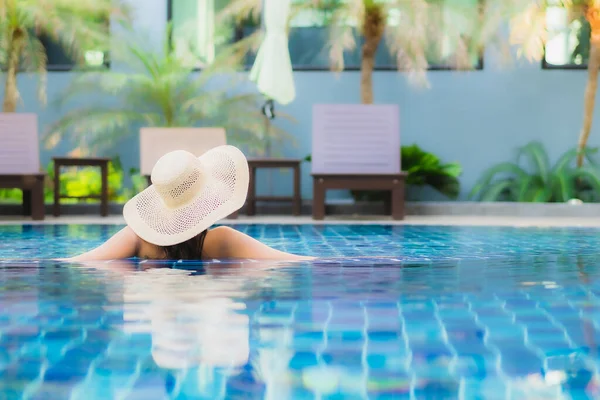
{"x":138,"y":183}
{"x":531,"y":178}
{"x":86,"y":181}
{"x":160,"y":90}
{"x":75,"y":25}
{"x":10,"y":196}
{"x":423,"y":169}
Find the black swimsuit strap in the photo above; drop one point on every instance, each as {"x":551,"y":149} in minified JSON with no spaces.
{"x":201,"y":242}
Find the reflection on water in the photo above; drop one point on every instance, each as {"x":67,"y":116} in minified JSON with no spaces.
{"x":522,"y":326}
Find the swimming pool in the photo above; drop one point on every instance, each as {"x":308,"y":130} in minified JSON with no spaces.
{"x":412,"y":312}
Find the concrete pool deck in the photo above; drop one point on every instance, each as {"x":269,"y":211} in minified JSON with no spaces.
{"x":452,"y":220}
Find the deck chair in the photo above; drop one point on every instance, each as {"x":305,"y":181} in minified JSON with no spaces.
{"x":356,"y":147}
{"x":156,"y":142}
{"x":20,"y":160}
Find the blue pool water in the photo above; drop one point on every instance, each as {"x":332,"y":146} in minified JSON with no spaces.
{"x":409,"y":313}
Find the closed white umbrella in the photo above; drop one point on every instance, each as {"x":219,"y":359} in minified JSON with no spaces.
{"x":272,"y":70}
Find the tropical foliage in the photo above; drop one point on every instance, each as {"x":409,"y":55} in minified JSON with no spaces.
{"x":86,"y":181}
{"x":531,"y":178}
{"x":529,"y":30}
{"x":159,"y":90}
{"x":423,"y":169}
{"x":416,"y":32}
{"x":75,"y":25}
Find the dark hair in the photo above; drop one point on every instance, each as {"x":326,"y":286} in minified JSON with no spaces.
{"x":191,"y":249}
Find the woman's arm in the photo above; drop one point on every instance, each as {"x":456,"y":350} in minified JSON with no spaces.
{"x":225,"y":242}
{"x":123,"y":244}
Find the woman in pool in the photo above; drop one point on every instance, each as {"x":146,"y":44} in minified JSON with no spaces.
{"x":171,"y":218}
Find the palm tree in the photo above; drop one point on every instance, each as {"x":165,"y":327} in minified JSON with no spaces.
{"x":530,"y":31}
{"x":159,"y":89}
{"x":75,"y":25}
{"x":416,"y":32}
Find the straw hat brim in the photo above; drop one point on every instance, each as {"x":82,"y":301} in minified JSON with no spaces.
{"x":222,"y":193}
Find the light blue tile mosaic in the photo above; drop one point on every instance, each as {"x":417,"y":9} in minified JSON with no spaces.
{"x":386,"y":312}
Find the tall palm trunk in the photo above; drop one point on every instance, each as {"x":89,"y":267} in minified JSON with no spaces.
{"x":593,"y":16}
{"x":373,"y":29}
{"x":11,"y":93}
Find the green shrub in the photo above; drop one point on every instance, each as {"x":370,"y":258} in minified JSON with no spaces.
{"x":531,"y":178}
{"x":10,"y":196}
{"x":84,"y":181}
{"x":423,"y":169}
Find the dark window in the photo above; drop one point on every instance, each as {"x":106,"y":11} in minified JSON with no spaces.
{"x":568,"y":43}
{"x":308,"y":38}
{"x":59,"y":59}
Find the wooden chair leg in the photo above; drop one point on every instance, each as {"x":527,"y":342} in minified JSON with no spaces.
{"x":37,"y":200}
{"x":56,"y":207}
{"x":398,"y":201}
{"x":318,"y":210}
{"x":26,"y":202}
{"x":104,"y":193}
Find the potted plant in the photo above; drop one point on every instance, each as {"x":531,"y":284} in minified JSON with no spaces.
{"x":159,"y":90}
{"x":532,"y":178}
{"x":423,"y":169}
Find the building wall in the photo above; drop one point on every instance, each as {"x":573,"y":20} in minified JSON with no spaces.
{"x":476,"y":118}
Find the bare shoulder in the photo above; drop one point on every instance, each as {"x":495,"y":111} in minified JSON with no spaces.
{"x":226,"y":242}
{"x":221,"y":231}
{"x":215,"y":241}
{"x":123,"y":244}
{"x":219,"y":234}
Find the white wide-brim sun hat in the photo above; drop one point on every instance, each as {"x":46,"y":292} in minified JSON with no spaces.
{"x":188,"y":195}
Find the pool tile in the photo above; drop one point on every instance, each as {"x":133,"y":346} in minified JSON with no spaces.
{"x":11,"y":393}
{"x":149,"y":386}
{"x":489,"y":389}
{"x":438,"y":315}
{"x":52,"y":390}
{"x":303,"y":359}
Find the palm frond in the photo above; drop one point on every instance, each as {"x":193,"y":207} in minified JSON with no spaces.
{"x":76,"y":26}
{"x":95,"y":127}
{"x":564,"y":185}
{"x":541,"y":183}
{"x":342,"y":31}
{"x":110,"y":83}
{"x":159,"y":90}
{"x":590,"y":175}
{"x":528,"y":23}
{"x":239,"y":10}
{"x":495,"y":191}
{"x":538,"y":159}
{"x":565,"y":161}
{"x":408,"y":39}
{"x":35,"y":58}
{"x":502,"y":169}
{"x":528,"y":30}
